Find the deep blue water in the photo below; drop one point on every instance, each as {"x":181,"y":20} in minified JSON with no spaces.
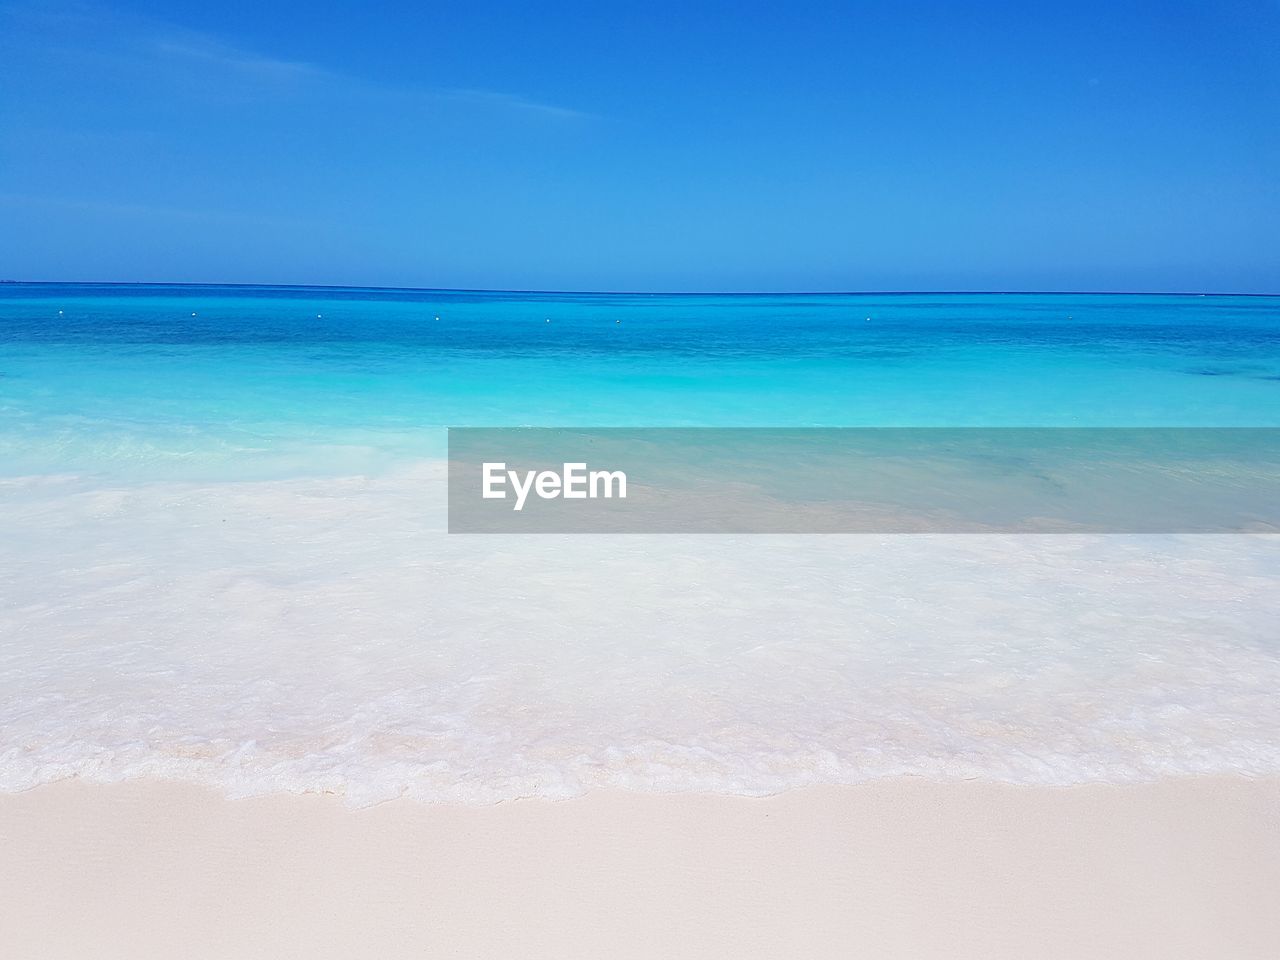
{"x":259,"y":381}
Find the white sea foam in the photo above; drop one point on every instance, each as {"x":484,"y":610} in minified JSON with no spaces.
{"x":327,"y":635}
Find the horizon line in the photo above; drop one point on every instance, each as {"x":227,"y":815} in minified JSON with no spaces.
{"x":639,"y":293}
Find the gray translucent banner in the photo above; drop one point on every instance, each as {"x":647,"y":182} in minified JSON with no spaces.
{"x":872,"y":480}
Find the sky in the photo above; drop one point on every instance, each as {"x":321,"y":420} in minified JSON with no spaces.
{"x":644,"y":146}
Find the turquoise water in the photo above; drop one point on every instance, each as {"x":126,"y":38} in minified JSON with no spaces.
{"x":224,"y":555}
{"x":210,"y":381}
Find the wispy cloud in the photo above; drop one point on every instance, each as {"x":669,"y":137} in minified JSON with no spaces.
{"x":511,"y":101}
{"x":142,"y":43}
{"x":202,"y":49}
{"x":270,"y":72}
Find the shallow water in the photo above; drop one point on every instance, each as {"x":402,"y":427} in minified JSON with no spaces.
{"x":223,"y":555}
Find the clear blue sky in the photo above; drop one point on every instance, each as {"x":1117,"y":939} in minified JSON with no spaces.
{"x":644,"y":146}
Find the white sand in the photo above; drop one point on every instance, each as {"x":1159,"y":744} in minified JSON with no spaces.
{"x":1184,"y":868}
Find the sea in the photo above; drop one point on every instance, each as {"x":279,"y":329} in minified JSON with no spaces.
{"x":225,"y":557}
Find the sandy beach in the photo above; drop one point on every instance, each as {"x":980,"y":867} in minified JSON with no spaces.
{"x":655,"y":481}
{"x":907,"y":868}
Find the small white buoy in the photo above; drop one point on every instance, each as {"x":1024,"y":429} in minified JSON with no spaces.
{"x":617,"y":321}
{"x":437,"y":318}
{"x":548,"y":319}
{"x":868,"y":320}
{"x":317,"y":316}
{"x":59,"y":313}
{"x":193,"y":313}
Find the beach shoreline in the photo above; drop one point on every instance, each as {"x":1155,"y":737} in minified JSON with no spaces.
{"x":893,"y":868}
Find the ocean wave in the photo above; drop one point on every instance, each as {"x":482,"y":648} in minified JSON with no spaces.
{"x":328,"y":636}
